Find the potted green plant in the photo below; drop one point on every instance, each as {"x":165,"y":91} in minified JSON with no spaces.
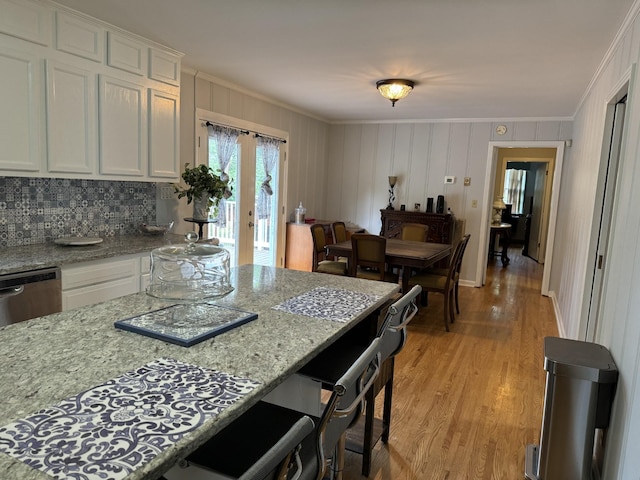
{"x":205,"y":189}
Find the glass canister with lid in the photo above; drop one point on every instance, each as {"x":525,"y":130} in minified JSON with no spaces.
{"x":192,"y":272}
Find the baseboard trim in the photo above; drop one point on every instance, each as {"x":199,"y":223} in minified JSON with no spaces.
{"x":556,"y":311}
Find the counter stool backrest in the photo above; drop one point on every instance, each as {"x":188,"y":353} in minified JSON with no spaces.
{"x":393,"y":330}
{"x":345,"y":405}
{"x":284,"y":456}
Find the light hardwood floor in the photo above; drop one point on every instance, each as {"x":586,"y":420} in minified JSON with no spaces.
{"x":466,"y":403}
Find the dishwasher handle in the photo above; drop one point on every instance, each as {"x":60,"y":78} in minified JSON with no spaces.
{"x":11,"y":292}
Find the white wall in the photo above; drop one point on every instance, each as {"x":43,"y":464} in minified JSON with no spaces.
{"x":362,"y":156}
{"x":620,"y":322}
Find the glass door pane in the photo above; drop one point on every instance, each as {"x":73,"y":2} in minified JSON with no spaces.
{"x":227,"y":231}
{"x":254,"y":218}
{"x":265,"y":227}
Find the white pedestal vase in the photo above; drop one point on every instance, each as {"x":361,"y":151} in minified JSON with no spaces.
{"x":201,"y":208}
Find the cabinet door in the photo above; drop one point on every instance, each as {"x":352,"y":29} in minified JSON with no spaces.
{"x":123,"y":127}
{"x":126,"y":54}
{"x":71,"y":119}
{"x":164,"y":124}
{"x":26,"y":19}
{"x":99,"y":293}
{"x":79,"y":37}
{"x":164,"y":67}
{"x":21,"y":134}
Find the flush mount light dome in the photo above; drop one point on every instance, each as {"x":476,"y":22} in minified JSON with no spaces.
{"x":395,"y":88}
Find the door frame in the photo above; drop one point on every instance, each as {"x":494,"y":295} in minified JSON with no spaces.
{"x":588,"y":324}
{"x":487,"y":202}
{"x":219,"y":118}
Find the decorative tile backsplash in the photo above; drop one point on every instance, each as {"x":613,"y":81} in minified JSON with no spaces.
{"x":39,"y":210}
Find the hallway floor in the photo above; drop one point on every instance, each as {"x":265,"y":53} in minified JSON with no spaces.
{"x":466,"y":403}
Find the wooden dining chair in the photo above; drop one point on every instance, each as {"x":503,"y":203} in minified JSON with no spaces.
{"x":319,"y":263}
{"x":238,"y":445}
{"x":443,"y":271}
{"x":416,"y":232}
{"x":339,"y":232}
{"x":465,"y":242}
{"x":443,"y":284}
{"x":368,"y":258}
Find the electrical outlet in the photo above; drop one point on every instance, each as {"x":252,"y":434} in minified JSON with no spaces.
{"x":474,"y":203}
{"x":467,"y":181}
{"x":166,"y":192}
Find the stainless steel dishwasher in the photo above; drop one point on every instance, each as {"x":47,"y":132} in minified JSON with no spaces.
{"x":29,"y":294}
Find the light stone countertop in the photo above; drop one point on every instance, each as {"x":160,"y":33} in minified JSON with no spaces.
{"x":48,"y":359}
{"x":32,"y":257}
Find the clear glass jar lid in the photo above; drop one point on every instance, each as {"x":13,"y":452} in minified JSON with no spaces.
{"x":193,"y":272}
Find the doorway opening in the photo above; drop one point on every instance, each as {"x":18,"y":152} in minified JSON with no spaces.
{"x":612,"y":146}
{"x":523,"y":179}
{"x":496,"y":163}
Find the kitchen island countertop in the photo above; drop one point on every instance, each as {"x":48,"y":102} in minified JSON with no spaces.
{"x":52,"y":358}
{"x":44,"y":255}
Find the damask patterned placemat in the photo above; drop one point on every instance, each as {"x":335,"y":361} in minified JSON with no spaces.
{"x":111,"y":430}
{"x":329,"y":303}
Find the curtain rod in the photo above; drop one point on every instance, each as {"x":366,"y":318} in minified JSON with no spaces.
{"x":259,"y":135}
{"x":243,"y":132}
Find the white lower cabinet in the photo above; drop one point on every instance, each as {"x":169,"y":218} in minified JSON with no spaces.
{"x":97,"y":281}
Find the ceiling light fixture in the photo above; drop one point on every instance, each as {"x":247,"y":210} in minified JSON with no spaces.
{"x":395,"y":88}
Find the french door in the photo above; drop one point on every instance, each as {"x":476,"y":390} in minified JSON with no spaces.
{"x":251,"y":224}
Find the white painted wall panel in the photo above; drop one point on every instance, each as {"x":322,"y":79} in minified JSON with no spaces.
{"x":619,"y":329}
{"x":420,"y":154}
{"x":365,"y":196}
{"x":525,"y":131}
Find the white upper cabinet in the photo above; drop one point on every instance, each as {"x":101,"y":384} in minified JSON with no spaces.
{"x":21,"y":126}
{"x":71,"y":119}
{"x":123,"y":127}
{"x":127,"y":54}
{"x":84,"y":99}
{"x":164,"y":129}
{"x":76,"y":36}
{"x":26,"y":19}
{"x":164,"y":67}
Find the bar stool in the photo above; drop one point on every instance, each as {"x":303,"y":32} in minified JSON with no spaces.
{"x":392,"y":334}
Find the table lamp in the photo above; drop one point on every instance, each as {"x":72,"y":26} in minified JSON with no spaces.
{"x":498,"y":207}
{"x":392,"y":197}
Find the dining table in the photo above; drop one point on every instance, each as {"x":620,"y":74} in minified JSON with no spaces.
{"x":405,"y":254}
{"x":84,"y":399}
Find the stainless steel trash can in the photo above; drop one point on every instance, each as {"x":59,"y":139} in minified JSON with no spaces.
{"x":581,"y":381}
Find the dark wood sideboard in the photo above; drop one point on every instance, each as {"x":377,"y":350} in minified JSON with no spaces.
{"x":441,"y":225}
